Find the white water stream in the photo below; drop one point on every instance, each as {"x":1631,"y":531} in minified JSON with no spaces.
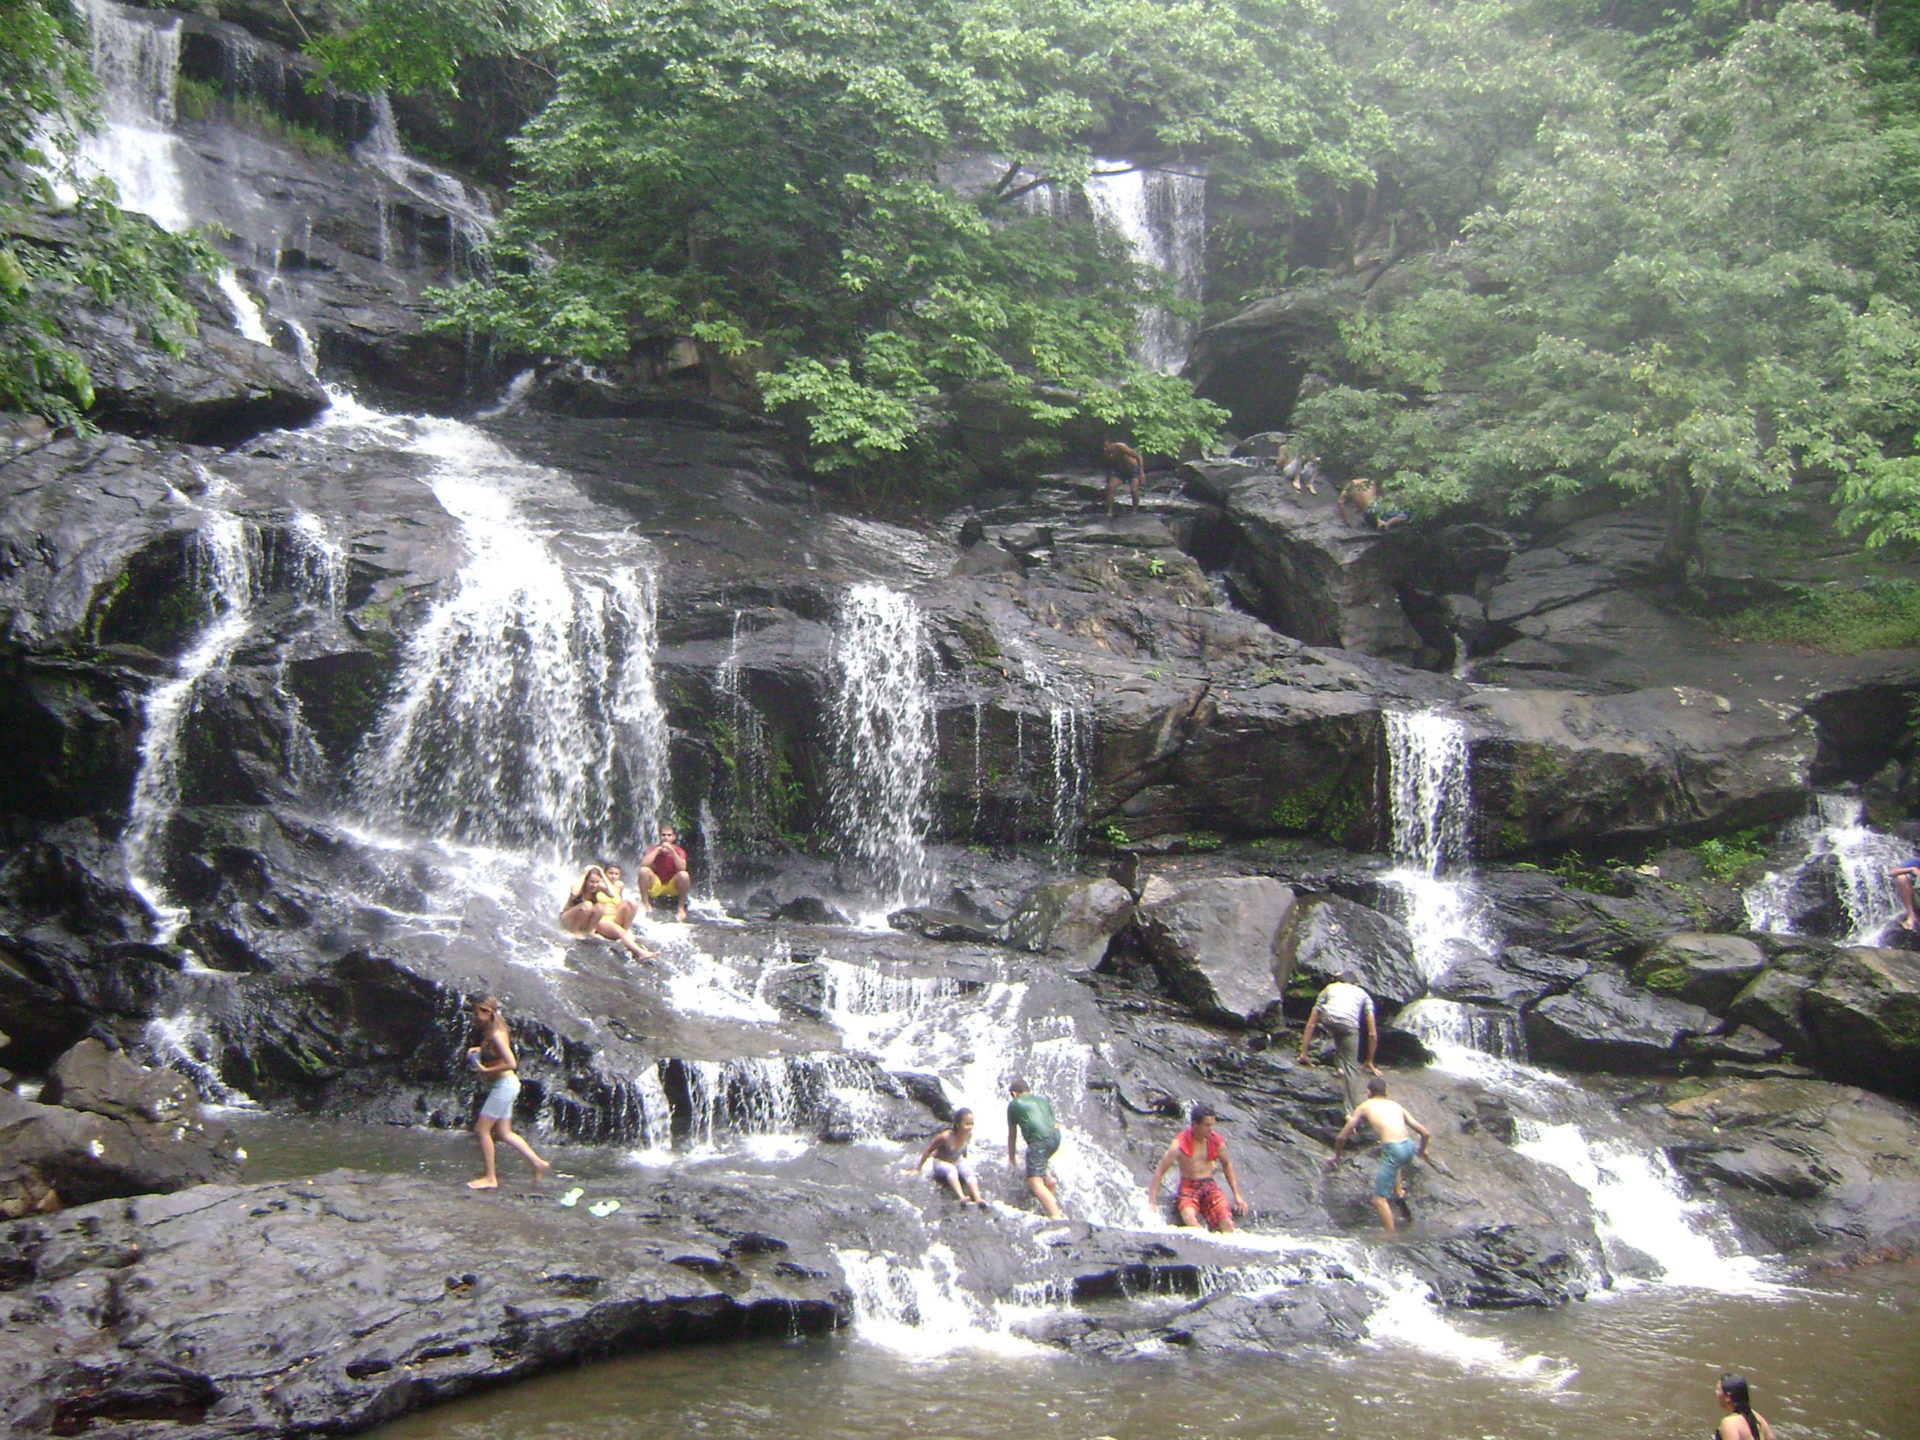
{"x":1839,"y":852}
{"x":1430,"y":770}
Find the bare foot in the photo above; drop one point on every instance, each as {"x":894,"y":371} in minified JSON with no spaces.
{"x":540,"y":1169}
{"x":682,"y":916}
{"x":483,"y":1184}
{"x":1907,"y":924}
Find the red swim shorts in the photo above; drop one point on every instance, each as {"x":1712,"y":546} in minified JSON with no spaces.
{"x":1209,"y":1199}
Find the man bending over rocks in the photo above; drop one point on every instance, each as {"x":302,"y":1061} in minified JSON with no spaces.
{"x":1391,"y":1122}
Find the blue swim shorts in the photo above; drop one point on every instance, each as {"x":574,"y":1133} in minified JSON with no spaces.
{"x":1394,"y":1155}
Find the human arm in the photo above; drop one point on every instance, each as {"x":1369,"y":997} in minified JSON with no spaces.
{"x":1426,"y":1135}
{"x":1340,"y":1140}
{"x":927,"y":1154}
{"x":1160,"y":1171}
{"x":1373,"y":1041}
{"x":1013,"y":1137}
{"x":1306,"y":1036}
{"x":1233,"y":1181}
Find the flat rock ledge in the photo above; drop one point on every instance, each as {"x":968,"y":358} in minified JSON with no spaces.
{"x":331,"y":1305}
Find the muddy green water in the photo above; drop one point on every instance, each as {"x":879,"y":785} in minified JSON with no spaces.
{"x":1832,"y":1357}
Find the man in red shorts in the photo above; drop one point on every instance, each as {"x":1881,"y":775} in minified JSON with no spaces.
{"x":1195,"y":1150}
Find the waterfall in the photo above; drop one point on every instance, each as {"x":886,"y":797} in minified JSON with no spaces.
{"x":183,"y":1042}
{"x":1162,"y":216}
{"x":1431,"y":802}
{"x":220,"y":566}
{"x":883,"y":742}
{"x":1839,"y":850}
{"x":1069,"y":744}
{"x":1446,"y":1026}
{"x":919,"y":1307}
{"x":469,"y":217}
{"x":746,"y":761}
{"x":136,"y":59}
{"x":525,"y":711}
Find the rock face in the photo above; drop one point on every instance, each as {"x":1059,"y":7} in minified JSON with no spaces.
{"x":1863,"y":1014}
{"x":1073,"y":919}
{"x":1604,"y":1023}
{"x":1330,"y":935}
{"x":1218,"y":942}
{"x":108,"y":1128}
{"x":408,"y":1294}
{"x":1705,"y":970}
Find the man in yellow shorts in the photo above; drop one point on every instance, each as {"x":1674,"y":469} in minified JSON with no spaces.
{"x":663,"y":872}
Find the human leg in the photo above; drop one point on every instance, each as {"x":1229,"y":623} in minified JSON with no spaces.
{"x":1346,"y":1041}
{"x":1041,"y":1187}
{"x":1384,"y":1209}
{"x":970,"y":1178}
{"x":1133,"y":486}
{"x":1395,"y":1156}
{"x":483,"y":1129}
{"x":682,"y":883}
{"x":949,"y":1176}
{"x":578,"y":920}
{"x":504,"y":1129}
{"x":1903,"y":887}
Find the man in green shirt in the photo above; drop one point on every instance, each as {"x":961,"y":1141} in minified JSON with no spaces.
{"x":1031,"y":1115}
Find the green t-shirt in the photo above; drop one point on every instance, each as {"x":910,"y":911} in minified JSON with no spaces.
{"x":1033,"y":1114}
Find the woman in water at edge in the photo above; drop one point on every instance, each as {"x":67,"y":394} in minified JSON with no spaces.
{"x":1739,"y":1422}
{"x":493,"y":1058}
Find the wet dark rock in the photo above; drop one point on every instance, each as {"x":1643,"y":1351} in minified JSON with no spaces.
{"x":1805,"y":1164}
{"x":1705,"y":970}
{"x":1328,"y":935}
{"x":1863,"y":1015}
{"x":1218,"y":943}
{"x":407,"y":1317}
{"x":1072,"y":919}
{"x":1504,"y":1267}
{"x":106,"y":1127}
{"x":1605,"y":1023}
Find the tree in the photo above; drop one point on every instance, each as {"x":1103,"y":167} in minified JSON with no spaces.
{"x":57,"y":249}
{"x":774,"y":178}
{"x":1705,"y":293}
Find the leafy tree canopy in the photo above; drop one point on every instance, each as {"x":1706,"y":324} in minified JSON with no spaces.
{"x":774,"y":178}
{"x":1704,"y":292}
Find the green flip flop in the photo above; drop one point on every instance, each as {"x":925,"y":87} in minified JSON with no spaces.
{"x":572,"y":1197}
{"x":600,"y":1209}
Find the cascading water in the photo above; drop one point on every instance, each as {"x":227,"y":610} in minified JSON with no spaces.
{"x":525,"y":711}
{"x":221,"y":567}
{"x":1842,"y":852}
{"x":136,"y":58}
{"x":883,"y":742}
{"x":1162,"y":215}
{"x":469,"y":217}
{"x":1429,"y":769}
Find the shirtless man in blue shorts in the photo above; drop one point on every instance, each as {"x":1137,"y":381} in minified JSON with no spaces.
{"x":1391,"y":1124}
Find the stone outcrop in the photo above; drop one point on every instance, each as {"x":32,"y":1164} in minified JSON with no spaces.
{"x":1071,"y":919}
{"x":1863,"y":1015}
{"x":1605,"y":1023}
{"x":1218,"y":943}
{"x":105,"y":1127}
{"x":1705,"y":970}
{"x":1329,"y":935}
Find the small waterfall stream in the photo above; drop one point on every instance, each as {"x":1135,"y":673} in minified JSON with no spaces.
{"x":1843,"y":855}
{"x":1429,"y":772}
{"x":883,"y":734}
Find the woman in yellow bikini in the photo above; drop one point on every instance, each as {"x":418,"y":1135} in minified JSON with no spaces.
{"x":593,"y":908}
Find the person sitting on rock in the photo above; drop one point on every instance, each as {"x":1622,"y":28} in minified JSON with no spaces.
{"x":1308,"y":474}
{"x":1123,"y":463}
{"x":1195,"y":1150}
{"x":1391,"y":1122}
{"x":625,"y":906}
{"x":1341,"y":1006}
{"x":664,"y":874}
{"x":593,"y":909}
{"x":951,"y":1167}
{"x":1903,"y":876}
{"x":1364,"y":495}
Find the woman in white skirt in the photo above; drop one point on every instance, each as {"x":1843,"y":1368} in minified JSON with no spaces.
{"x":493,"y":1058}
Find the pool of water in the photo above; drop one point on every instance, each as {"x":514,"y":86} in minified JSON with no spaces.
{"x":1831,"y":1356}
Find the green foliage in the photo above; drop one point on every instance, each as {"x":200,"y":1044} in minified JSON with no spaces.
{"x":1726,"y":856}
{"x":772,"y":178}
{"x":1574,"y":870}
{"x":1116,"y":836}
{"x":1701,"y":293}
{"x":1873,"y":614}
{"x":55,"y":256}
{"x":411,"y":45}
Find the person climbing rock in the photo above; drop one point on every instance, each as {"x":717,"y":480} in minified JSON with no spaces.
{"x":1341,"y":1007}
{"x":1031,"y":1116}
{"x":664,"y":874}
{"x":1123,"y":463}
{"x":1196,"y":1150}
{"x":493,"y":1058}
{"x":951,"y":1167}
{"x":1364,"y":495}
{"x":1390,"y":1121}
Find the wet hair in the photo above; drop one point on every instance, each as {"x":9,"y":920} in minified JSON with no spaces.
{"x":959,"y":1115}
{"x":491,"y":1006}
{"x":1018,"y":1087}
{"x":1377,"y":1085}
{"x":1734,"y":1386}
{"x":1202,"y":1112}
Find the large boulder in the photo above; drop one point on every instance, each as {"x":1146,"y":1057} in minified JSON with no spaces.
{"x":1705,"y":970}
{"x":1073,"y":919}
{"x":120,"y":1130}
{"x":1329,"y":934}
{"x":1864,"y":1018}
{"x":1606,"y":1023}
{"x":1218,"y":944}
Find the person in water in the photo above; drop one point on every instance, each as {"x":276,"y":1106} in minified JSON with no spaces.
{"x":1195,"y":1150}
{"x":1031,"y":1115}
{"x":1739,"y":1422}
{"x":951,"y":1167}
{"x":1391,"y":1123}
{"x":1903,"y":876}
{"x":664,"y":874}
{"x":493,"y":1058}
{"x":593,"y":909}
{"x":1123,"y":463}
